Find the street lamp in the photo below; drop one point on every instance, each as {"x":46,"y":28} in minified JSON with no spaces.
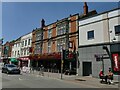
{"x":77,"y":62}
{"x":62,"y":59}
{"x":108,"y":52}
{"x":61,"y":63}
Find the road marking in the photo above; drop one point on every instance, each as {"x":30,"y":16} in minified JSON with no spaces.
{"x":13,"y":75}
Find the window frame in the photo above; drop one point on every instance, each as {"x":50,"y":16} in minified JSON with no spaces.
{"x":90,"y":35}
{"x":49,"y":46}
{"x":61,"y":29}
{"x":117,"y":30}
{"x":49,"y":33}
{"x":29,"y":40}
{"x":25,"y":42}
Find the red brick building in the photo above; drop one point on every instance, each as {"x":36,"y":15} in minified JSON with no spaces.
{"x":6,"y":51}
{"x":49,"y":40}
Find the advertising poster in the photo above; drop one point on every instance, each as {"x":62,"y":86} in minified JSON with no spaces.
{"x":116,"y":62}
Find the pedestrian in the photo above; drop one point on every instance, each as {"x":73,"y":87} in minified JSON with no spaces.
{"x":42,"y":70}
{"x":102,"y":76}
{"x":110,"y":75}
{"x":24,"y":69}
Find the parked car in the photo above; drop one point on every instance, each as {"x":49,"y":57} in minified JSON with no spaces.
{"x":10,"y":68}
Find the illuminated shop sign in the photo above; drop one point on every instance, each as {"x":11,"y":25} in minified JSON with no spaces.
{"x":116,"y":62}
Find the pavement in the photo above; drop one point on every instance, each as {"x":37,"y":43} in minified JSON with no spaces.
{"x":85,"y":80}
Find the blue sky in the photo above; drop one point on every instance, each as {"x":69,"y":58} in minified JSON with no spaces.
{"x":22,"y":17}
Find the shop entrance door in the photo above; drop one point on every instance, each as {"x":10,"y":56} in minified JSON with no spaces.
{"x":87,"y":68}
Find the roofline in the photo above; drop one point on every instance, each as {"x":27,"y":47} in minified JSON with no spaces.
{"x":98,"y":14}
{"x":25,"y":34}
{"x":61,"y":19}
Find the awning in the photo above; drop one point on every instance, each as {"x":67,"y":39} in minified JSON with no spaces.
{"x":13,"y":60}
{"x":24,"y":58}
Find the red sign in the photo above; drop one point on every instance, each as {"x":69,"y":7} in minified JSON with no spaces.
{"x":116,"y":62}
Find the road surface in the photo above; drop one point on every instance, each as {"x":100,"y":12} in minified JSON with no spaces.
{"x":36,"y":81}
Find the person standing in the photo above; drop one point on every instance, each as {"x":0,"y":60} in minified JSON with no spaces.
{"x":110,"y":76}
{"x":102,"y":76}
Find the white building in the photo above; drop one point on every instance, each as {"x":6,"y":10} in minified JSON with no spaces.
{"x":16,"y":50}
{"x":114,"y":25}
{"x":25,"y":46}
{"x":114,"y":30}
{"x":95,"y":33}
{"x":0,"y":52}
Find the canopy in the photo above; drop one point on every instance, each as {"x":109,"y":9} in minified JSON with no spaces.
{"x":26,"y":58}
{"x":13,"y":60}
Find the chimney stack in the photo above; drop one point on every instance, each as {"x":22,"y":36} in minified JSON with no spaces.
{"x":42,"y":23}
{"x":85,"y":8}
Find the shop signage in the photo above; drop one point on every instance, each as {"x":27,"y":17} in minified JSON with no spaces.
{"x":116,"y":62}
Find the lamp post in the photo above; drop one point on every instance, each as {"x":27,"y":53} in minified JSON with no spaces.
{"x":101,"y":59}
{"x":77,"y":62}
{"x":6,"y":53}
{"x":18,"y":57}
{"x":61,"y":64}
{"x":108,"y":52}
{"x":62,"y":61}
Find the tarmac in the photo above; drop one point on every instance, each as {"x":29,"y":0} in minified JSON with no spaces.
{"x":87,"y":80}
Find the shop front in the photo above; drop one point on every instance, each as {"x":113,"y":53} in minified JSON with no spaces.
{"x":14,"y":61}
{"x":48,"y":61}
{"x":115,"y":57}
{"x":52,"y":61}
{"x":24,"y":61}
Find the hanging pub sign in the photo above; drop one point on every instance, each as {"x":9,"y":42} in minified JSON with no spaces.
{"x":116,"y":62}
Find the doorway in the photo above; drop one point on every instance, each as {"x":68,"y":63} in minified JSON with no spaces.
{"x":87,"y":68}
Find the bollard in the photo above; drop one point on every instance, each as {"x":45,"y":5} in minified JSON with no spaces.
{"x":33,"y":70}
{"x":57,"y":73}
{"x":39,"y":70}
{"x":48,"y":72}
{"x":51,"y":70}
{"x":30,"y":70}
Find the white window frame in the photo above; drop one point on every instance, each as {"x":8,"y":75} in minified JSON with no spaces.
{"x":61,"y":29}
{"x":49,"y":33}
{"x":49,"y":46}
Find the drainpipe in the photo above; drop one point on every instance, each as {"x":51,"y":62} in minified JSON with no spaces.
{"x":109,"y":51}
